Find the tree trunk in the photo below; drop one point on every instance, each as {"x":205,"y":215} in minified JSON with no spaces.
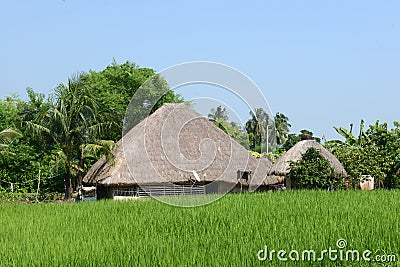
{"x":38,"y":186}
{"x":80,"y":172}
{"x":67,"y":184}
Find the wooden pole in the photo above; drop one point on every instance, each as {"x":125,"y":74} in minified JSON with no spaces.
{"x":266,"y":133}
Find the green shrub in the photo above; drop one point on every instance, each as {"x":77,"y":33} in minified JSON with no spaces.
{"x":313,"y":171}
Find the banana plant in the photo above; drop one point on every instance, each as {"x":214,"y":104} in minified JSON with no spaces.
{"x":352,"y":140}
{"x":6,"y":137}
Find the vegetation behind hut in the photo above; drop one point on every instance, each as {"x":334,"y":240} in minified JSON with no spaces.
{"x":375,"y":151}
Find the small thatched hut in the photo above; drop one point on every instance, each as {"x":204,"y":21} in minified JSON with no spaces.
{"x":177,"y":151}
{"x":282,"y":165}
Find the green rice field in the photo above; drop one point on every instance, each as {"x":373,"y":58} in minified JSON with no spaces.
{"x":228,"y":232}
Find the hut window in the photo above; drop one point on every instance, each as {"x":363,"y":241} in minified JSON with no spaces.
{"x":243,"y":174}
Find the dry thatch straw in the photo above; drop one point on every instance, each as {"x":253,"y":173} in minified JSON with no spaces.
{"x":282,"y":165}
{"x":172,"y":143}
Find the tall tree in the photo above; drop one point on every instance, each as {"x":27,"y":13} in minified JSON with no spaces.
{"x":71,"y":121}
{"x":282,"y":127}
{"x":220,"y":113}
{"x":258,"y":127}
{"x":114,"y":87}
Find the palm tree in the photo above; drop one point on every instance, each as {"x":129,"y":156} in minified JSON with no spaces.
{"x":6,"y":136}
{"x":219,"y":114}
{"x":71,"y":122}
{"x":282,"y":127}
{"x":256,"y":128}
{"x":253,"y":130}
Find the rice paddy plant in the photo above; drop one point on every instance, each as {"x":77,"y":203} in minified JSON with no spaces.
{"x":229,"y":232}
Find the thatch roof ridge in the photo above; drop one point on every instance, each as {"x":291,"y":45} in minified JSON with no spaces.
{"x":150,"y":155}
{"x":282,"y":165}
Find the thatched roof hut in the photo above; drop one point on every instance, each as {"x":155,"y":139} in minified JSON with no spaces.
{"x":282,"y":165}
{"x":171,"y":146}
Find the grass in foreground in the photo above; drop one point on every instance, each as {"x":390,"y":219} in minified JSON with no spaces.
{"x":229,"y":232}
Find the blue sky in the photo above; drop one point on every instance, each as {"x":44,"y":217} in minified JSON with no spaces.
{"x":322,"y":63}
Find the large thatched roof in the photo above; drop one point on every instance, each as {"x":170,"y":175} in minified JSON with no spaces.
{"x":172,"y":143}
{"x":282,"y":166}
